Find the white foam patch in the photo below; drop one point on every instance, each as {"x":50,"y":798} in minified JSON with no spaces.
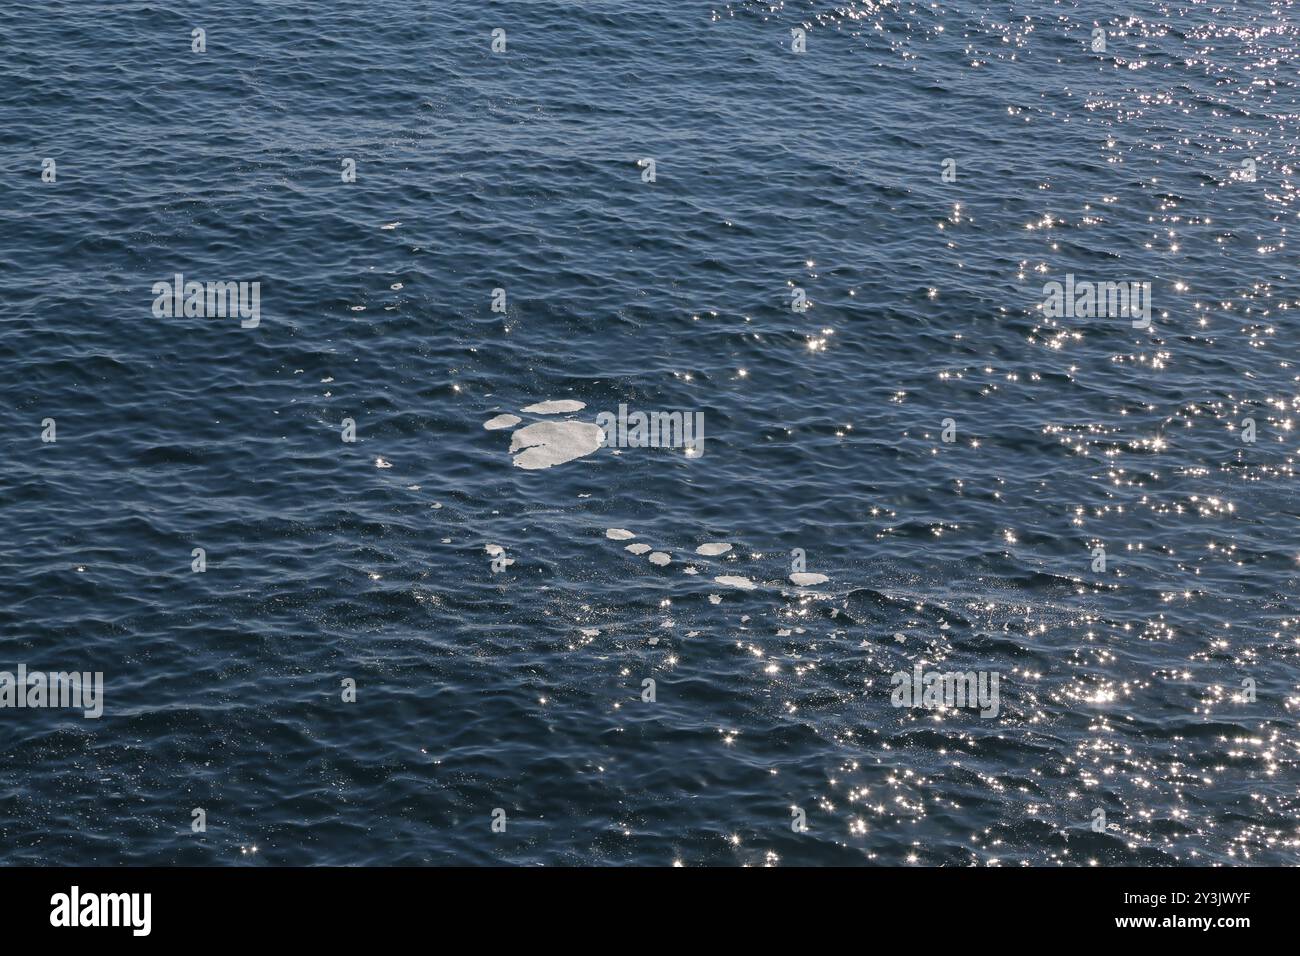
{"x":545,"y":444}
{"x":618,"y":534}
{"x":493,"y":549}
{"x":736,"y":581}
{"x":555,"y":407}
{"x":637,"y":548}
{"x":659,"y":558}
{"x":804,"y":578}
{"x":502,"y":421}
{"x":713,"y":548}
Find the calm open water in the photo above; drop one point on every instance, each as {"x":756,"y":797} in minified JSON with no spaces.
{"x":1162,"y":690}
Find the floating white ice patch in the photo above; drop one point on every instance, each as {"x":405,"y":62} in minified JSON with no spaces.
{"x":736,"y":581}
{"x":544,"y":444}
{"x":618,"y":534}
{"x":502,"y":421}
{"x":713,"y":548}
{"x":493,"y":549}
{"x":659,"y":559}
{"x":804,"y":578}
{"x":715,"y":599}
{"x":555,"y":407}
{"x":637,"y":548}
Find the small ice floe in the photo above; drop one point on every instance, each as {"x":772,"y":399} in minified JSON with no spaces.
{"x":806,"y":578}
{"x":783,"y":632}
{"x":555,"y":407}
{"x":736,"y":581}
{"x":899,"y":637}
{"x":545,"y":444}
{"x":502,"y":421}
{"x":493,"y":549}
{"x":691,"y":570}
{"x":391,"y":225}
{"x":715,"y":599}
{"x":713,"y":548}
{"x":659,"y":559}
{"x":637,"y":548}
{"x":548,"y":443}
{"x":395,"y":286}
{"x":653,"y":641}
{"x":358,"y":308}
{"x":618,"y":534}
{"x":382,"y":463}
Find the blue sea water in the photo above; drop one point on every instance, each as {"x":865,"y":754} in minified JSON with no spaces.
{"x":520,"y":689}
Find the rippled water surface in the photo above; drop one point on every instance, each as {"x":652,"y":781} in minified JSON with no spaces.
{"x":520,"y":688}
